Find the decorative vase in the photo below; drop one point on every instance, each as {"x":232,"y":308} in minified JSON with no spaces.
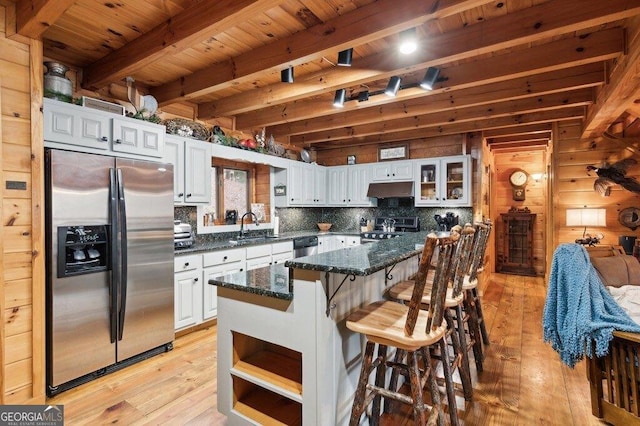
{"x":56,"y":84}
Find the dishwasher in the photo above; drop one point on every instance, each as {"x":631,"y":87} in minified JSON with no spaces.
{"x":305,"y":246}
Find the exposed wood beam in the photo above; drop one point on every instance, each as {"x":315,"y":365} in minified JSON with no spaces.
{"x":518,"y":147}
{"x":536,"y":23}
{"x":354,"y":28}
{"x":562,"y":114}
{"x":520,"y":138}
{"x":580,"y":97}
{"x":553,"y":56}
{"x":33,"y":17}
{"x":195,"y":24}
{"x":529,"y":129}
{"x":622,"y":90}
{"x":524,"y":87}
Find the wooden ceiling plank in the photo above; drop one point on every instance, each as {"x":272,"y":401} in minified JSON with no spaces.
{"x":354,"y":28}
{"x":557,"y":55}
{"x":471,"y":126}
{"x":525,"y":87}
{"x":623,"y":88}
{"x":33,"y":17}
{"x":195,"y":24}
{"x":516,"y":131}
{"x":520,"y":138}
{"x":580,"y":97}
{"x":543,"y":21}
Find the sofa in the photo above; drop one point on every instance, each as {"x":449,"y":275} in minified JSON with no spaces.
{"x":615,"y":378}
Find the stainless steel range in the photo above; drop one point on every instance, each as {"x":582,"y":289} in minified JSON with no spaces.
{"x":389,"y":227}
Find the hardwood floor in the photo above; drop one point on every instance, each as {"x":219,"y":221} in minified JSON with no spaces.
{"x":523,"y":383}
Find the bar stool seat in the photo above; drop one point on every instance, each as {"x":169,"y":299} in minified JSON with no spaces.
{"x":383,"y":322}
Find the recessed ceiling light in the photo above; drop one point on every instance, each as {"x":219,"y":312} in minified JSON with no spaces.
{"x":408,"y":41}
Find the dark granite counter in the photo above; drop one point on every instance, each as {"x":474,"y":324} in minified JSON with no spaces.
{"x":229,"y":244}
{"x":360,"y":260}
{"x":272,"y":281}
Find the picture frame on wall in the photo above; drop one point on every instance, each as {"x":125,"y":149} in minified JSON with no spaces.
{"x":351,"y":159}
{"x":398,"y":152}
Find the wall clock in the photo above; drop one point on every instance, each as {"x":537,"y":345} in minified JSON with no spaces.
{"x":518,"y":180}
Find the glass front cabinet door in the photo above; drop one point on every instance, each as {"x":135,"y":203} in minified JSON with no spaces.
{"x":443,"y":181}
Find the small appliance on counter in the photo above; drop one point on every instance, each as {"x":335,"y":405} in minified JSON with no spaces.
{"x":446,"y":222}
{"x":231,"y":217}
{"x":182,"y":235}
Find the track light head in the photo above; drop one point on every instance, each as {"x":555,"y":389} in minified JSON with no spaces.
{"x":430,"y":78}
{"x":286,"y":75}
{"x":338,"y":100}
{"x":345,"y":57}
{"x":363,"y":96}
{"x":393,"y":86}
{"x":408,"y":41}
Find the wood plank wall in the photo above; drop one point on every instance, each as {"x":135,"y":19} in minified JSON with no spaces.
{"x":22,"y":279}
{"x":532,"y":161}
{"x":573,"y":188}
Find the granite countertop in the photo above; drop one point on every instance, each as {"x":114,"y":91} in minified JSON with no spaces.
{"x":364,"y":259}
{"x":359,"y":260}
{"x":272,"y":281}
{"x":228,"y":244}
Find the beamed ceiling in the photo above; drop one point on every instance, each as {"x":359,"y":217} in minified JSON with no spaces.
{"x":508,"y":68}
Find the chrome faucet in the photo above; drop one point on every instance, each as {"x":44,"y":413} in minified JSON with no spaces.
{"x":255,"y":220}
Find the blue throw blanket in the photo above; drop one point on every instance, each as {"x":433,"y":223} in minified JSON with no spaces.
{"x":579,"y":310}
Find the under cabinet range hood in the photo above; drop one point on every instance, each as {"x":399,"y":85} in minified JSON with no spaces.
{"x":390,"y":190}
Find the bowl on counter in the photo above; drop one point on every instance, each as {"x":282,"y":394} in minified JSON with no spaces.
{"x":324,"y":227}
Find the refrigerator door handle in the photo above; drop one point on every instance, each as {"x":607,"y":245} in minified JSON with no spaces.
{"x":122,"y":214}
{"x":114,"y":283}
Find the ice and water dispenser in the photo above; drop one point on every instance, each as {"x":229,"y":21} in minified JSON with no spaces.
{"x":82,"y":249}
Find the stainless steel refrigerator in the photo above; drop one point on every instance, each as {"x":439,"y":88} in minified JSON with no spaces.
{"x":109,"y":224}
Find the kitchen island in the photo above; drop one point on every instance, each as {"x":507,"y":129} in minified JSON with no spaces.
{"x":284,"y":352}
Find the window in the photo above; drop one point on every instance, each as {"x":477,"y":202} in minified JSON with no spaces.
{"x":233,"y":190}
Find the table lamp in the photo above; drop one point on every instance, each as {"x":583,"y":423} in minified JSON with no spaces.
{"x":587,"y":217}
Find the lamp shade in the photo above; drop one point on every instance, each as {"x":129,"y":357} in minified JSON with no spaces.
{"x":339,"y":98}
{"x":393,"y":86}
{"x":286,"y":75}
{"x":430,"y":78}
{"x":586,"y":217}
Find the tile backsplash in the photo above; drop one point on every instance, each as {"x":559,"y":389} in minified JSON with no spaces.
{"x":343,"y":219}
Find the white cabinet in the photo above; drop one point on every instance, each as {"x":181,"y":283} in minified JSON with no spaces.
{"x":94,"y":131}
{"x":269,"y":254}
{"x":443,"y":181}
{"x":217,"y":264}
{"x":324,"y":243}
{"x":348,"y":185}
{"x":392,"y":170}
{"x":191,"y":161}
{"x":188,"y":290}
{"x":138,"y":137}
{"x":344,"y":241}
{"x":306,"y":185}
{"x":73,"y":125}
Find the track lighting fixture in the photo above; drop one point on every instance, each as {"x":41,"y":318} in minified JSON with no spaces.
{"x":286,"y":75}
{"x":363,"y":96}
{"x":408,"y":41}
{"x":393,"y":86}
{"x":338,"y":100}
{"x":430,"y":78}
{"x":345,"y":57}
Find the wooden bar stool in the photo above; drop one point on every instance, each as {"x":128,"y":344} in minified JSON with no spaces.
{"x":402,"y":291}
{"x":408,"y":328}
{"x":472,"y":305}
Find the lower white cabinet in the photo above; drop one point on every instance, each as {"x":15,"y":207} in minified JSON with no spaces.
{"x":216,"y":264}
{"x":188,"y":290}
{"x":195,"y":299}
{"x":335,"y":242}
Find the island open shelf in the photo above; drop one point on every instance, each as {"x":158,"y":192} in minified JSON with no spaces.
{"x":264,"y":406}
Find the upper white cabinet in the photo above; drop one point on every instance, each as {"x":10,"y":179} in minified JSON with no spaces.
{"x":191,"y":161}
{"x":306,"y":185}
{"x":138,"y":137}
{"x":95,"y":131}
{"x":443,"y":181}
{"x":392,"y":170}
{"x":348,"y":185}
